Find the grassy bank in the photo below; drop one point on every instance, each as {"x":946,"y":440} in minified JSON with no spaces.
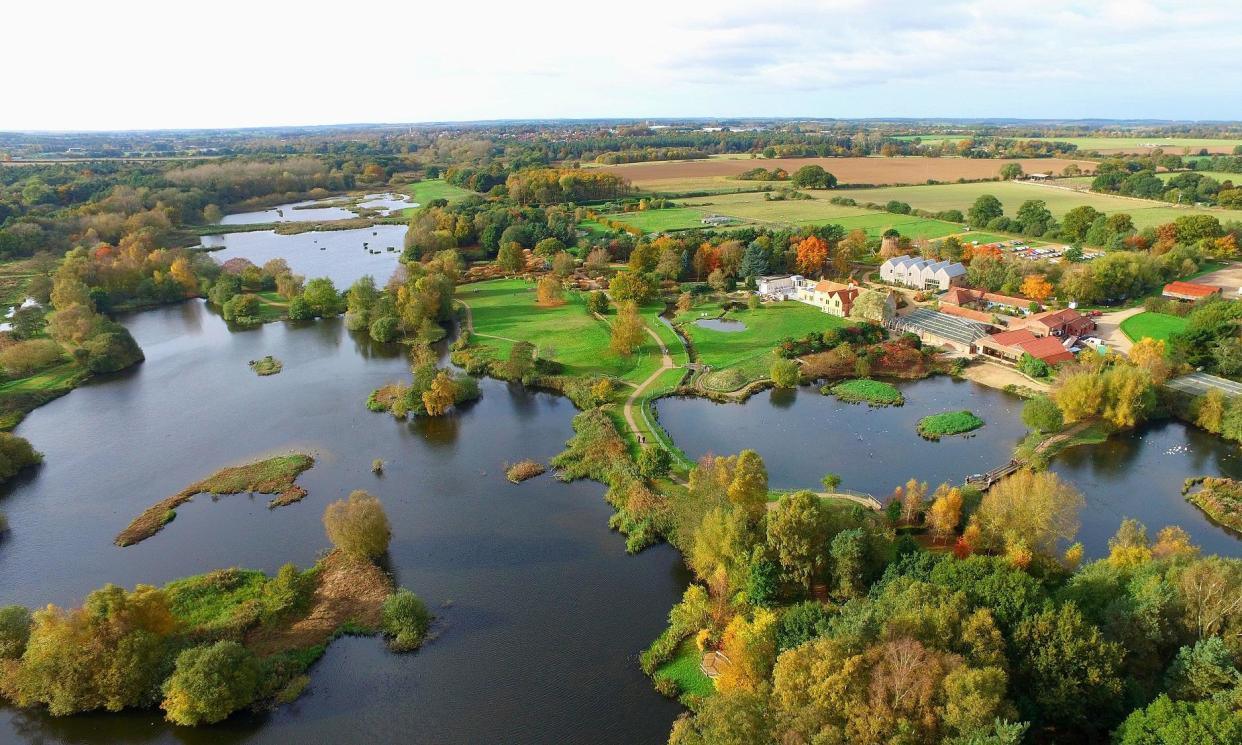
{"x":270,"y":476}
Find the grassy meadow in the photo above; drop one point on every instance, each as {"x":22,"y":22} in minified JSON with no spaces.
{"x":739,"y":357}
{"x":1147,"y":325}
{"x":505,"y":312}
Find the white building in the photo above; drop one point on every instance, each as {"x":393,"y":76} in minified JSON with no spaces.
{"x":922,"y":274}
{"x":779,"y":286}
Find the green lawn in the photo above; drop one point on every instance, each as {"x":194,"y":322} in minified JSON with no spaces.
{"x":1171,"y":145}
{"x":747,"y":355}
{"x":658,"y":221}
{"x":684,"y":668}
{"x":567,"y":334}
{"x":819,"y":210}
{"x":423,"y":192}
{"x":938,"y":197}
{"x":1158,"y":326}
{"x":61,"y":376}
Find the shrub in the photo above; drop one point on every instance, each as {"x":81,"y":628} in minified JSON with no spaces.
{"x":210,"y":682}
{"x":111,"y":351}
{"x":15,"y":454}
{"x":527,"y":469}
{"x":287,"y":593}
{"x":405,"y":621}
{"x":26,"y":357}
{"x":358,"y":525}
{"x":785,"y":373}
{"x":384,"y":329}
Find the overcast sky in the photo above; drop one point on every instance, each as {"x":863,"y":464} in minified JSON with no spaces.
{"x":128,"y":64}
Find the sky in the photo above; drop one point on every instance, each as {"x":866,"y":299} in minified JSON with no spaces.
{"x":128,"y":64}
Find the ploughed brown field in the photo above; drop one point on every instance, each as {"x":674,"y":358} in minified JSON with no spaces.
{"x":911,"y":170}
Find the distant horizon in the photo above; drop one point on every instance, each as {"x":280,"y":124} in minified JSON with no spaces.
{"x":1000,"y":121}
{"x":137,"y":65}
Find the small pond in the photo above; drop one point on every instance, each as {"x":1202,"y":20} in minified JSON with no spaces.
{"x":802,"y":435}
{"x":343,"y":255}
{"x":727,"y":325}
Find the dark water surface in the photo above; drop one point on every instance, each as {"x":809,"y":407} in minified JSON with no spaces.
{"x":338,"y":254}
{"x":547,"y":611}
{"x":802,"y":435}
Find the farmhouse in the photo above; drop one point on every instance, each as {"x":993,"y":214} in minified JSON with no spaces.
{"x":1011,"y":345}
{"x":922,"y":274}
{"x":1063,"y":323}
{"x":1189,"y":291}
{"x":832,"y":297}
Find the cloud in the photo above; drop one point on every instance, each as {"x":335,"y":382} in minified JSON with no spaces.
{"x":148,"y":64}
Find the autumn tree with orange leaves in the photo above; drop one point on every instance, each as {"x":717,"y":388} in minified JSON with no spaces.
{"x":812,"y":253}
{"x":1036,"y":287}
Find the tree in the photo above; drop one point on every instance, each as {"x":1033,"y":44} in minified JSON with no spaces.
{"x":654,"y":462}
{"x":628,"y":330}
{"x":750,"y":646}
{"x":812,"y":253}
{"x":785,"y":373}
{"x":985,"y":209}
{"x":1011,"y":171}
{"x":1069,"y":670}
{"x":1150,"y":356}
{"x":1036,"y":287}
{"x":563,"y":264}
{"x":511,"y":259}
{"x":442,"y":394}
{"x":210,"y":682}
{"x":754,"y":261}
{"x":912,"y":500}
{"x":748,"y":490}
{"x":549,"y":247}
{"x":1210,"y":410}
{"x":871,"y":306}
{"x":975,"y":702}
{"x":1042,"y":415}
{"x":15,"y":622}
{"x":358,"y":525}
{"x":597,"y":302}
{"x":797,"y":530}
{"x":945,"y":514}
{"x":831,"y":481}
{"x":1076,"y":223}
{"x":1168,"y":722}
{"x":631,"y":286}
{"x":548,"y":291}
{"x":848,"y":551}
{"x":404,"y":620}
{"x":813,"y":177}
{"x":597,"y":260}
{"x":384,"y":329}
{"x":1035,"y":507}
{"x":321,"y":295}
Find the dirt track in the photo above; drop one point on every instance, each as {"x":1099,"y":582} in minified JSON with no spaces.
{"x":913,"y":170}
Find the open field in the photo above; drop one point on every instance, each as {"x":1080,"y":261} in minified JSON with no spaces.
{"x":658,"y":221}
{"x":713,"y":174}
{"x":747,"y":355}
{"x":1171,"y":145}
{"x":1159,"y":326}
{"x":504,"y":312}
{"x":423,"y":192}
{"x":819,"y":211}
{"x":1217,"y":175}
{"x":1145,"y":212}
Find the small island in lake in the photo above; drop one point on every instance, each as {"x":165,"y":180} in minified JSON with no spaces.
{"x":523,"y":470}
{"x":948,"y":423}
{"x":270,"y":476}
{"x":864,"y":390}
{"x":269,"y":365}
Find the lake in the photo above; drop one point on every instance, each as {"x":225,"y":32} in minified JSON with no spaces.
{"x":389,"y":202}
{"x":292,"y":212}
{"x":802,"y":435}
{"x":545,"y":611}
{"x":339,"y":254}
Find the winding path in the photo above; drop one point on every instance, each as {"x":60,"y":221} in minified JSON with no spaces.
{"x":665,"y":365}
{"x":470,"y":325}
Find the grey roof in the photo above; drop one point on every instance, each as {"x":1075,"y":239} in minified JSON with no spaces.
{"x":943,"y":325}
{"x":955,"y":270}
{"x":897,"y":259}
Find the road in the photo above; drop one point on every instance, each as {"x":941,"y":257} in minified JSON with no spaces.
{"x":1108,"y":328}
